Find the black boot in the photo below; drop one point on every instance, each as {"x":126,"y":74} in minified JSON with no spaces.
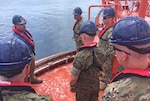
{"x":34,"y":80}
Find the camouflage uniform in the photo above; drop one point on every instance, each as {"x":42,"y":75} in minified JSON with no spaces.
{"x":76,"y":35}
{"x":107,"y":50}
{"x":19,"y":91}
{"x":23,"y":96}
{"x":129,"y":87}
{"x":88,"y":62}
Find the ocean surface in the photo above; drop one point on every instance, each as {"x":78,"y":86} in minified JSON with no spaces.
{"x":49,"y":21}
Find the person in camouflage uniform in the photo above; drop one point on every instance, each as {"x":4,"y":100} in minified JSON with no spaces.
{"x":131,"y":42}
{"x":105,"y":46}
{"x":86,"y":66}
{"x":15,"y":57}
{"x":76,"y":28}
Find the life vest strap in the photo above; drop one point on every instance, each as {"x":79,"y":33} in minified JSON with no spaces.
{"x":100,"y":34}
{"x":14,"y":86}
{"x":130,"y":72}
{"x":24,"y":36}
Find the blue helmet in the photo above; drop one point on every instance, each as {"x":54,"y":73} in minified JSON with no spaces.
{"x":131,"y":31}
{"x":77,"y":11}
{"x":89,"y":28}
{"x":14,"y":54}
{"x":109,"y":11}
{"x":17,"y":19}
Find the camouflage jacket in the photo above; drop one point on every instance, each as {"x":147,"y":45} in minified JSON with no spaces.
{"x":76,"y":30}
{"x":132,"y":85}
{"x":107,"y":50}
{"x":26,"y":37}
{"x":24,"y":96}
{"x":77,"y":25}
{"x":89,"y":61}
{"x":19,"y":91}
{"x":104,"y":45}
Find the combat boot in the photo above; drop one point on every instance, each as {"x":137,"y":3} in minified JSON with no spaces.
{"x":35,"y":80}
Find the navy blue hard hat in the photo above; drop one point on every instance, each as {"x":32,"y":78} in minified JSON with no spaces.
{"x":17,"y":19}
{"x":109,"y":11}
{"x":89,"y":28}
{"x":14,"y":54}
{"x":131,"y":30}
{"x":77,"y":11}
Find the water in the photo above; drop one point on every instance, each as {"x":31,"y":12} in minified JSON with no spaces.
{"x":49,"y":21}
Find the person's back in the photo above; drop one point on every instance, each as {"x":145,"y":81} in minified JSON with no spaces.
{"x":15,"y":57}
{"x":132,"y":87}
{"x":23,"y":96}
{"x":131,"y":42}
{"x":86,"y":66}
{"x":90,"y":67}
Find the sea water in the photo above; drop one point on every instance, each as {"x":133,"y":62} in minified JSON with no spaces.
{"x":49,"y":21}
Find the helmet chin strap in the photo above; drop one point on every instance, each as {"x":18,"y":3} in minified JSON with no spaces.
{"x":140,"y":50}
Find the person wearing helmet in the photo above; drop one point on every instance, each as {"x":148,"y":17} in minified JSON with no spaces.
{"x":131,"y":42}
{"x":76,"y":28}
{"x":87,"y":65}
{"x":105,"y":47}
{"x":22,"y":33}
{"x":15,"y":57}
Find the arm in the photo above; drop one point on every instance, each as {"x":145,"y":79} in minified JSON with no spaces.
{"x":74,"y":78}
{"x":73,"y":82}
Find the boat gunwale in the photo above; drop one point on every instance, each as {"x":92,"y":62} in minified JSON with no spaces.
{"x":53,"y":61}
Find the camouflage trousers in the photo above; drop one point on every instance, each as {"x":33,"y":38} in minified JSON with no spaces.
{"x":86,"y":96}
{"x":108,"y":69}
{"x":106,"y":74}
{"x":78,"y":41}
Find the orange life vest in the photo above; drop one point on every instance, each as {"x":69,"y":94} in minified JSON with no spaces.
{"x":28,"y":40}
{"x":100,"y":34}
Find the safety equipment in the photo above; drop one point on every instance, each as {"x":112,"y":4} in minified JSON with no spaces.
{"x":109,"y":11}
{"x":14,"y":54}
{"x":89,"y":28}
{"x":17,"y":19}
{"x":27,"y":38}
{"x":77,"y":11}
{"x":131,"y":31}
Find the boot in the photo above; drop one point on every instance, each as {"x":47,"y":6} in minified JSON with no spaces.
{"x":32,"y":77}
{"x":34,"y":80}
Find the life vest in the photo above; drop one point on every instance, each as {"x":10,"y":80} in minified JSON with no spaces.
{"x":75,"y":24}
{"x":128,"y":73}
{"x":88,"y":46}
{"x":131,"y":72}
{"x":28,"y":40}
{"x":15,"y":86}
{"x":100,"y":34}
